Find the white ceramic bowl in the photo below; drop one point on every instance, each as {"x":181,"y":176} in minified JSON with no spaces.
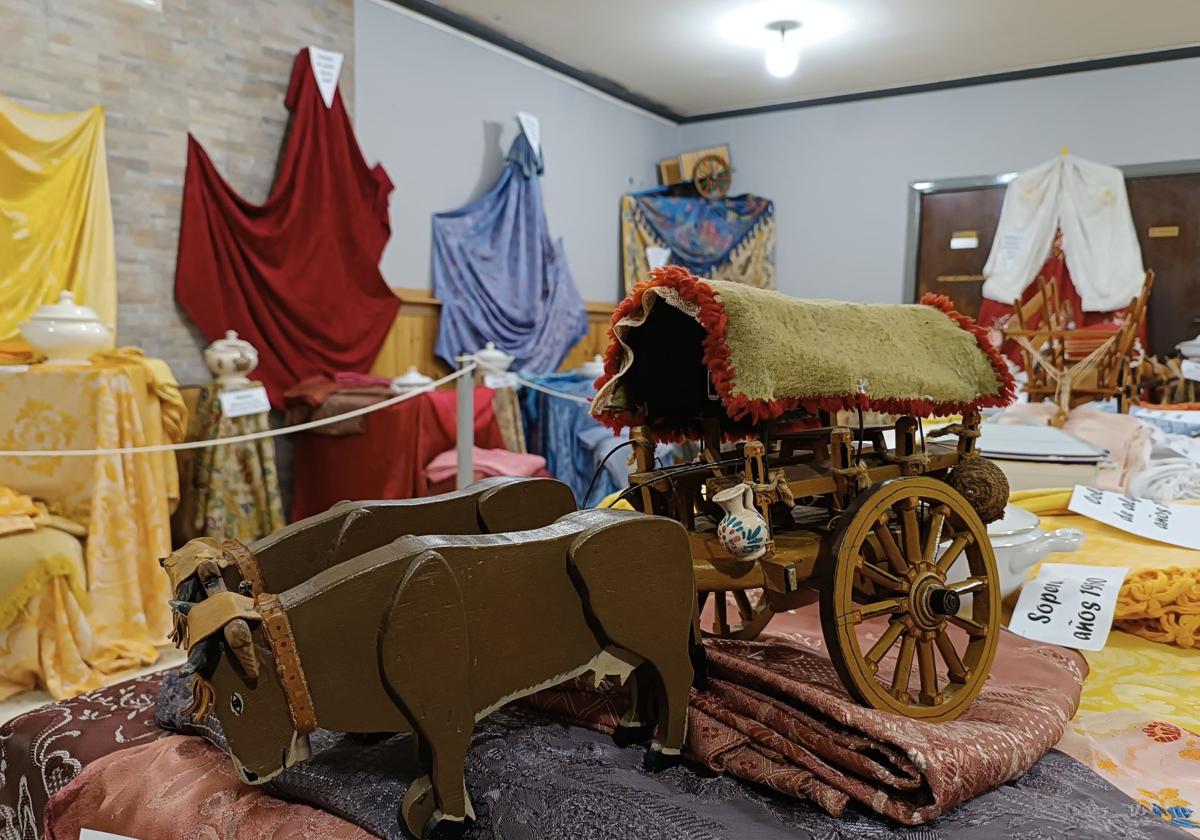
{"x":1019,"y":544}
{"x":65,"y":332}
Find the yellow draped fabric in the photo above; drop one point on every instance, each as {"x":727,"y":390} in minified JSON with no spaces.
{"x":56,"y":229}
{"x":1160,"y":599}
{"x":125,"y":502}
{"x":1138,"y":725}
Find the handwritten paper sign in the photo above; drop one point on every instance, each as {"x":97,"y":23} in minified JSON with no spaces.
{"x":327,"y":68}
{"x":92,"y":834}
{"x":500,"y":380}
{"x":533,"y":130}
{"x":1174,"y":524}
{"x":657,"y":257}
{"x":1069,"y":605}
{"x":245,"y":401}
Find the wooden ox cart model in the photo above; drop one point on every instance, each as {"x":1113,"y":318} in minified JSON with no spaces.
{"x":884,"y":526}
{"x":430,"y":633}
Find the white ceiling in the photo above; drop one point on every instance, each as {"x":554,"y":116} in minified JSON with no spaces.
{"x":684,"y":54}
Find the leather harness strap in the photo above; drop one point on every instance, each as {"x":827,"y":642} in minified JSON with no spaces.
{"x":247,"y":565}
{"x":287,"y":662}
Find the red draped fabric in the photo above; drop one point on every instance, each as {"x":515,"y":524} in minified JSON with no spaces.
{"x":386,"y":461}
{"x":298,"y":276}
{"x":1055,"y":272}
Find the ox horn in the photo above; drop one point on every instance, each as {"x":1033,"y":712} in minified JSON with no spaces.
{"x":241,"y":643}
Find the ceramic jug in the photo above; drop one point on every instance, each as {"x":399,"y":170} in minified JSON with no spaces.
{"x":742,"y":531}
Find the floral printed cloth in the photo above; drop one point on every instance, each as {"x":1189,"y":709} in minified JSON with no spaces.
{"x":124,"y":501}
{"x":232,"y":491}
{"x":1138,"y":725}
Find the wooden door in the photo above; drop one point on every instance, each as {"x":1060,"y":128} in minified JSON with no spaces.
{"x":1166,"y":212}
{"x":964,"y":216}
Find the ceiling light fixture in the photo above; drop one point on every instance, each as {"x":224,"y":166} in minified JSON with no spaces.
{"x":783,"y":54}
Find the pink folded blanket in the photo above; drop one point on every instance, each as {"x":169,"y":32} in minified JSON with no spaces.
{"x":487,"y":462}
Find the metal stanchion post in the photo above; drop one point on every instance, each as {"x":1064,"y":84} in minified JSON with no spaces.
{"x":465,"y":395}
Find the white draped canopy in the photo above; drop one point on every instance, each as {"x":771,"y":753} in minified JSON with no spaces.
{"x":1088,"y":202}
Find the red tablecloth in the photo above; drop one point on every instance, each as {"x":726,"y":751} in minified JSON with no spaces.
{"x":388,"y":460}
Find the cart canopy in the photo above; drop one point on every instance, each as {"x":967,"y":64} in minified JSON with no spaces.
{"x":683,"y":349}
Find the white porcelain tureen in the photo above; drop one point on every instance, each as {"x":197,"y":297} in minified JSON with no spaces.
{"x":1019,"y":545}
{"x":411,"y":380}
{"x":65,"y":332}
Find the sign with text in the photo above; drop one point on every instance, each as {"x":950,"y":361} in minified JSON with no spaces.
{"x":1174,"y":524}
{"x":245,"y":401}
{"x":1068,"y":605}
{"x":327,"y":67}
{"x":92,"y":834}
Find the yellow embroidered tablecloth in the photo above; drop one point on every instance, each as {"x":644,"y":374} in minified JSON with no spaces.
{"x":124,"y":500}
{"x":1138,"y":725}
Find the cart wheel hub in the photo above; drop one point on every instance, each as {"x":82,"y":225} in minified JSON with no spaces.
{"x":944,"y":601}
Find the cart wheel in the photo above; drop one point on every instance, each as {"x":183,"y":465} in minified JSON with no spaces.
{"x":711,"y":176}
{"x":753,"y":614}
{"x":905,"y":536}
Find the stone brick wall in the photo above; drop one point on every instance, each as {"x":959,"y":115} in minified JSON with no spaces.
{"x":216,"y":68}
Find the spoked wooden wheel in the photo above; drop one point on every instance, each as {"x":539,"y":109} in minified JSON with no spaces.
{"x":920,"y":639}
{"x":750,"y":614}
{"x":711,"y":176}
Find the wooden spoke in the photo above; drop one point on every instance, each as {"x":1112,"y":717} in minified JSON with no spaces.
{"x":890,"y":550}
{"x":745,"y":610}
{"x":889,"y":637}
{"x":935,"y":533}
{"x":954,"y":665}
{"x":701,"y":600}
{"x":890,"y":605}
{"x":930,"y":695}
{"x":903,"y":666}
{"x":973,"y":628}
{"x":955,"y":548}
{"x":971,"y":584}
{"x":720,"y":616}
{"x":885,"y":579}
{"x":911,"y":530}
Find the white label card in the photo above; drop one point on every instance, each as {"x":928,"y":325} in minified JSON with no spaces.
{"x":1190,"y":369}
{"x":92,"y":834}
{"x":1072,"y":606}
{"x":500,"y":380}
{"x":533,"y":130}
{"x":1174,"y":524}
{"x":963,"y":243}
{"x":327,"y":69}
{"x":245,"y":401}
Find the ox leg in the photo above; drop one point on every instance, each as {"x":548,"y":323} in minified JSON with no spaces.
{"x":637,"y":724}
{"x":672,"y":686}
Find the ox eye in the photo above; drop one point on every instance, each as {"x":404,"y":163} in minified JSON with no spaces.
{"x":235,"y":704}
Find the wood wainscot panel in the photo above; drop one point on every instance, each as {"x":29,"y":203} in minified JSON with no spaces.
{"x":414,"y":334}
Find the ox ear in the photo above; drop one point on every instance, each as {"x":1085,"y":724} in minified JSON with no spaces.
{"x":241,"y":644}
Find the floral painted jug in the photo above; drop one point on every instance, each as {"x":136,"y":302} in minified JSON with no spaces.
{"x":742,"y":531}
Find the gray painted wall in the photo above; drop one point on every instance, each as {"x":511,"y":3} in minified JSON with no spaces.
{"x":438,"y":110}
{"x":839,"y":174}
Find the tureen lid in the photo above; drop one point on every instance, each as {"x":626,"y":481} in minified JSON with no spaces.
{"x":64,"y":310}
{"x":1015,"y":521}
{"x":1191,"y":347}
{"x":493,"y":357}
{"x":412,"y":378}
{"x":231,"y":342}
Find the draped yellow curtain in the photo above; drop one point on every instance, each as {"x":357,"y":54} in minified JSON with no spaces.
{"x":56,"y":228}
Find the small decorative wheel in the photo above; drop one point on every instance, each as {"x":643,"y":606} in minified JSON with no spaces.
{"x":934,"y":594}
{"x":711,"y":176}
{"x":754,"y":612}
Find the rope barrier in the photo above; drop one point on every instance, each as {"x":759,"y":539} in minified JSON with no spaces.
{"x":285,"y":430}
{"x":246,"y":438}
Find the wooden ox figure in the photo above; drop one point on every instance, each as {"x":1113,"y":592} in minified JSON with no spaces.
{"x":293,"y":554}
{"x":433,"y":633}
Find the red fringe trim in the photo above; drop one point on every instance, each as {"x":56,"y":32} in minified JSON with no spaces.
{"x":750,"y":412}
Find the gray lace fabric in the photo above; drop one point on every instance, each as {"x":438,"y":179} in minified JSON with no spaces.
{"x":531,"y":779}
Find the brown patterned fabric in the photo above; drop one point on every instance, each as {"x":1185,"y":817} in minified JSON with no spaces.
{"x":775,"y":713}
{"x":41,"y":751}
{"x":195,"y":794}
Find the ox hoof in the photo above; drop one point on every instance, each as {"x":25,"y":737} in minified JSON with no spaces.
{"x":440,"y":828}
{"x":656,"y":760}
{"x":418,"y":806}
{"x":367,"y":738}
{"x":625,"y":735}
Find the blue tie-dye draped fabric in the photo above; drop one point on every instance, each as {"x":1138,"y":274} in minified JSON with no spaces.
{"x":500,"y":277}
